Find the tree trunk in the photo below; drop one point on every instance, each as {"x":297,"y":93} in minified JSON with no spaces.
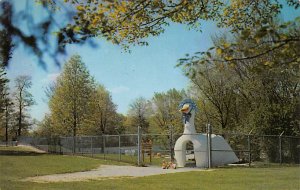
{"x":74,"y":135}
{"x":6,"y":125}
{"x":20,"y":113}
{"x":103,"y":139}
{"x":20,"y":122}
{"x":6,"y":133}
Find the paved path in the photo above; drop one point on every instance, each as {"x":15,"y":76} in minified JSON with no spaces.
{"x":107,"y":172}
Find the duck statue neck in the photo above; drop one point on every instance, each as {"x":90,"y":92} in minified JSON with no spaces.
{"x":188,"y":121}
{"x":188,"y":109}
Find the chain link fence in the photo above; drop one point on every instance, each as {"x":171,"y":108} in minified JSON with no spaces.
{"x":146,"y":149}
{"x":265,"y":148}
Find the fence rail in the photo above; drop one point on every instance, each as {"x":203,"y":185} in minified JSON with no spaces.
{"x":126,"y":147}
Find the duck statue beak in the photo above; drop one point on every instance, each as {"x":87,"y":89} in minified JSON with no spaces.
{"x":185,"y":108}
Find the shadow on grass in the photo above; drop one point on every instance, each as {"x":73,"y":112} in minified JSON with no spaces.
{"x":19,"y":153}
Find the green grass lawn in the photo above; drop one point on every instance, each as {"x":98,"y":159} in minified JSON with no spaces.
{"x":15,"y":167}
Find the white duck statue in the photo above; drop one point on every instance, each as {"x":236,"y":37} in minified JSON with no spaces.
{"x":221,"y":151}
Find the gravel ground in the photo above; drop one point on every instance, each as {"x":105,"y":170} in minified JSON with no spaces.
{"x":108,"y":172}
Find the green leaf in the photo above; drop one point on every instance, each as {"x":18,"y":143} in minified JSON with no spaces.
{"x":211,"y":48}
{"x":226,"y":45}
{"x":245,"y":34}
{"x":268,"y":63}
{"x":228,"y":58}
{"x":261,"y":33}
{"x":283,"y":25}
{"x":208,"y":54}
{"x":219,"y":51}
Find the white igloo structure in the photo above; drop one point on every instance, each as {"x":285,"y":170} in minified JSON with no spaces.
{"x":223,"y":153}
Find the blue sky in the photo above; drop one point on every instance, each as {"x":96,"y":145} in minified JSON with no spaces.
{"x":127,"y":76}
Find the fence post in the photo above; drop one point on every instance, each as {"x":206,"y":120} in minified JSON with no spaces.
{"x":119,"y":147}
{"x":249,"y":147}
{"x":209,"y":146}
{"x":92,"y":151}
{"x":60,"y":146}
{"x":103,"y":146}
{"x":74,"y":144}
{"x":139,"y":146}
{"x":81,"y":145}
{"x":171,"y":143}
{"x":280,"y":148}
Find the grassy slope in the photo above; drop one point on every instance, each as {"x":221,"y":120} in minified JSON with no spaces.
{"x":13,"y":168}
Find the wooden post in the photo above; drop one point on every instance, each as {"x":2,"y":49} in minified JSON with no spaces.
{"x":147,"y":149}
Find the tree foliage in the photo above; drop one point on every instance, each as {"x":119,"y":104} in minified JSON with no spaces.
{"x":282,"y":39}
{"x":45,"y":127}
{"x":132,"y":22}
{"x":69,"y":102}
{"x":248,"y":94}
{"x":165,"y":111}
{"x":138,"y":114}
{"x":5,"y":103}
{"x":103,"y":117}
{"x":128,"y":22}
{"x":80,"y":106}
{"x":6,"y":47}
{"x":23,"y":99}
{"x":36,"y":36}
{"x":216,"y":87}
{"x":3,"y":85}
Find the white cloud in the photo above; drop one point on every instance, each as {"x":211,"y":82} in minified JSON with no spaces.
{"x":119,"y":89}
{"x":50,"y":78}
